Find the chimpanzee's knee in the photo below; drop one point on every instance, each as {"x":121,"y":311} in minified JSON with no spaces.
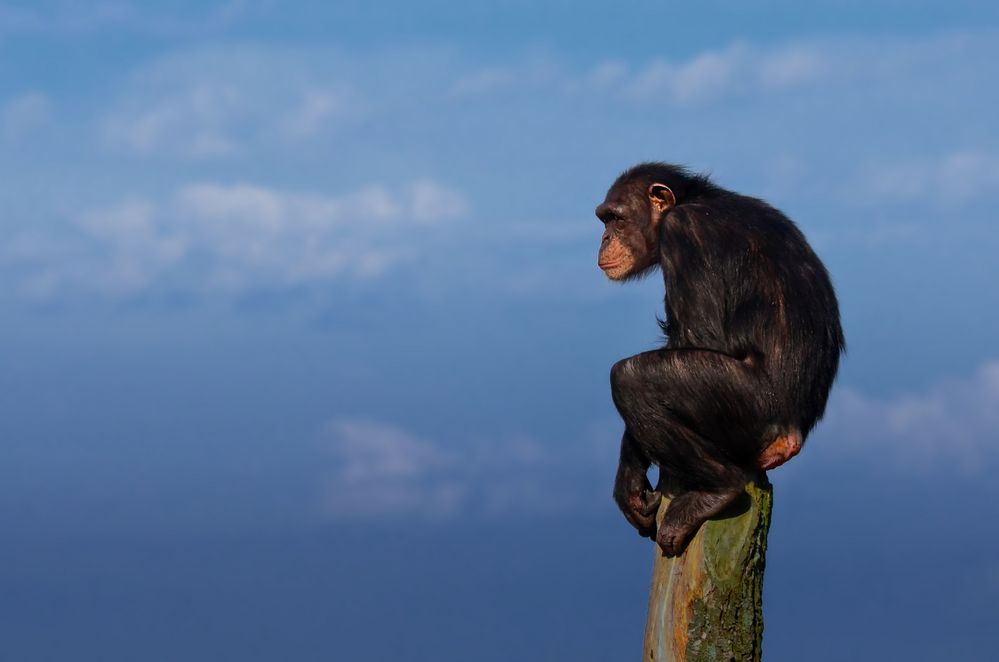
{"x":625,"y":379}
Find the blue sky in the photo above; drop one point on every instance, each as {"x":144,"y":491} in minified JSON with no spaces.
{"x":304,"y":350}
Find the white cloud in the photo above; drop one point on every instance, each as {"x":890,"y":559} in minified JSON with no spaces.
{"x":702,"y":77}
{"x":381,"y":469}
{"x":224,"y":101}
{"x":953,"y":425}
{"x":135,"y":250}
{"x":217,"y":116}
{"x":371,"y":451}
{"x":233,"y":239}
{"x":385,"y":470}
{"x":747,"y":70}
{"x":737,"y":69}
{"x":484,"y":82}
{"x":214,"y":103}
{"x":315,"y":109}
{"x":791,"y":65}
{"x":24,"y":115}
{"x":195,"y":123}
{"x":431,"y":202}
{"x":956,"y":177}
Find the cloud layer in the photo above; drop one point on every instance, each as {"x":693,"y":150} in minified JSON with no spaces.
{"x":234,"y":148}
{"x":379,"y":469}
{"x":958,"y":177}
{"x":952,"y":427}
{"x":383,"y":470}
{"x":216,"y":103}
{"x":232,"y":238}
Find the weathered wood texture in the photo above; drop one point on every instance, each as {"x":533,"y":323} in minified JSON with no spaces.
{"x":707,"y":605}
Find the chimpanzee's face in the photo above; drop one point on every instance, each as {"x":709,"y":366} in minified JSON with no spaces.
{"x":630,"y":214}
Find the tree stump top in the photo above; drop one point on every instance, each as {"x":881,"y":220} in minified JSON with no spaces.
{"x":707,"y":604}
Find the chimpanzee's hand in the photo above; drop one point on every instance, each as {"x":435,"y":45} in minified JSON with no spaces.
{"x":636,"y":499}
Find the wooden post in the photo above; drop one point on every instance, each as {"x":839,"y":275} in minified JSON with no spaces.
{"x":707,"y":605}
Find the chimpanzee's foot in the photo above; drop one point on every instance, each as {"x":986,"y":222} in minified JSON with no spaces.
{"x":686,"y":513}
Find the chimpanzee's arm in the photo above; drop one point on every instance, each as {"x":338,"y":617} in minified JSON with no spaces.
{"x":713,"y":297}
{"x":695,"y":283}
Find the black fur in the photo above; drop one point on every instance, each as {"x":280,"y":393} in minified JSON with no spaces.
{"x":753,"y":345}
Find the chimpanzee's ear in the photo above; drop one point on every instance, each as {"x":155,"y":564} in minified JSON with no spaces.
{"x":661,"y":197}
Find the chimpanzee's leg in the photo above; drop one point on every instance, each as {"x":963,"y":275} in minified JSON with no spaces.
{"x":700,"y":415}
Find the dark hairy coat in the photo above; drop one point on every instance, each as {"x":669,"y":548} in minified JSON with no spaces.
{"x":742,"y":280}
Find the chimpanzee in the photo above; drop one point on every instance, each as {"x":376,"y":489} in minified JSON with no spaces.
{"x":753,"y":340}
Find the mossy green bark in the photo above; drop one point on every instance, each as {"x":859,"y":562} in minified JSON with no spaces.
{"x":707,"y":604}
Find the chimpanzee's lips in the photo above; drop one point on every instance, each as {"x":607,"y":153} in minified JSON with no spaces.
{"x":608,"y":265}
